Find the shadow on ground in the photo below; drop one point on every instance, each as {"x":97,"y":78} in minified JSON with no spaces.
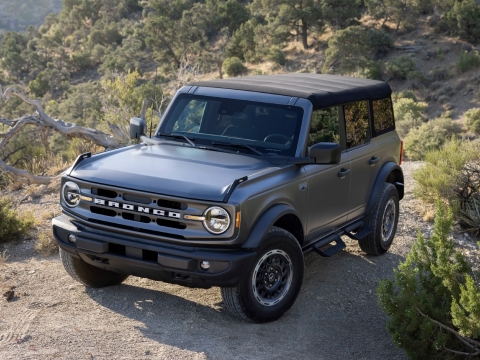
{"x":336,"y":316}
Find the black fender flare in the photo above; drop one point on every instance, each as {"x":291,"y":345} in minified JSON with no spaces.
{"x":265,"y":222}
{"x":382,"y":177}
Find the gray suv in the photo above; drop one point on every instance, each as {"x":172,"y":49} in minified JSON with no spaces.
{"x":241,"y":179}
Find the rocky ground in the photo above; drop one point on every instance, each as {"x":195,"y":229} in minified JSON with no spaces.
{"x":336,"y":315}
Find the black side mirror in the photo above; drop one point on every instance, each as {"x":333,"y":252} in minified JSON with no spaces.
{"x":138,"y":127}
{"x":325,"y":153}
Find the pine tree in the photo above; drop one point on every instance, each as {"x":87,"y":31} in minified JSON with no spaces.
{"x":433,"y":302}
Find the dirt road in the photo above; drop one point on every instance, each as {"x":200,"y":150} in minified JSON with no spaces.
{"x":336,"y":315}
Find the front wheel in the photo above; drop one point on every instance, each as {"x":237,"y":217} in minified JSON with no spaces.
{"x":272,"y":285}
{"x":383,"y":221}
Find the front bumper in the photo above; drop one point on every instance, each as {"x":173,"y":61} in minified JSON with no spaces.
{"x":165,"y":262}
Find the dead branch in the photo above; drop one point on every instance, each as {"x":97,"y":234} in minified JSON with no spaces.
{"x":97,"y":137}
{"x":44,"y":122}
{"x":470,"y":343}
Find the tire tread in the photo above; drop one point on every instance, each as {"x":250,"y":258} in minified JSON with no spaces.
{"x":369,"y":244}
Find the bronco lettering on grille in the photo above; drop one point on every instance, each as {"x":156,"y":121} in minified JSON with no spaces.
{"x":141,"y":209}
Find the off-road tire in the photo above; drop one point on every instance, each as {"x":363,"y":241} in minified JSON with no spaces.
{"x":374,"y":244}
{"x":240,"y":301}
{"x":87,"y":274}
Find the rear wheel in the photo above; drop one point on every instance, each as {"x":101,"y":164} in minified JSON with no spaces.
{"x":272,"y":284}
{"x":87,"y":274}
{"x":383,"y":222}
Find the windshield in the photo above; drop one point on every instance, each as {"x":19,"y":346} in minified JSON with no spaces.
{"x":268,"y":128}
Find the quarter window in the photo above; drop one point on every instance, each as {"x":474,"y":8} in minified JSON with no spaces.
{"x":356,"y":123}
{"x":383,"y":116}
{"x":324,"y":126}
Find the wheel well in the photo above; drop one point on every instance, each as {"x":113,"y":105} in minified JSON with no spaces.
{"x":396,"y":176}
{"x":292,"y":224}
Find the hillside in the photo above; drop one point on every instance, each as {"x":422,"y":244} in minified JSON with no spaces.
{"x":96,"y":60}
{"x":19,"y":14}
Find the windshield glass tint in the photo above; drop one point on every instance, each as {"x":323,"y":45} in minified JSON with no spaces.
{"x":272,"y":129}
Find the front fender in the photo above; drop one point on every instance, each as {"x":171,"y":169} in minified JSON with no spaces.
{"x":265,"y":223}
{"x":390,"y":172}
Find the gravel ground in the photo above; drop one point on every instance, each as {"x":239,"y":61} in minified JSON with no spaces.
{"x":336,"y":315}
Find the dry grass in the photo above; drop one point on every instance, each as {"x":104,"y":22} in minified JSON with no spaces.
{"x":46,"y":244}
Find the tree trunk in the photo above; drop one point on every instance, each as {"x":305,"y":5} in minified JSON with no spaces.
{"x":304,"y":34}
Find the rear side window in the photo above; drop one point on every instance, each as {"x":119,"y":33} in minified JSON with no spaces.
{"x":356,"y":123}
{"x":383,"y":116}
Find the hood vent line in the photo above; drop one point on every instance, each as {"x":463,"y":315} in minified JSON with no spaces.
{"x":233,"y":186}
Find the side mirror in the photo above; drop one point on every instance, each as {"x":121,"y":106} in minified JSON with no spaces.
{"x":325,"y":153}
{"x":138,"y":127}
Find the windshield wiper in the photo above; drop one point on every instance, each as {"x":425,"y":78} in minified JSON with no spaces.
{"x":178,"y":136}
{"x":241,"y":146}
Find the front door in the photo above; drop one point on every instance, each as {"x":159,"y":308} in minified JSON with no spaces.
{"x":328,"y":185}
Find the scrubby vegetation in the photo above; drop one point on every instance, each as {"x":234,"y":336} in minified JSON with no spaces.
{"x":452,"y":173}
{"x":433,"y":303}
{"x":12,"y":225}
{"x":95,"y":62}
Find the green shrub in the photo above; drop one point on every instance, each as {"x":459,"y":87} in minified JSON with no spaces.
{"x":40,"y":86}
{"x":233,"y":66}
{"x":449,"y":173}
{"x":371,"y":70}
{"x":12,"y":225}
{"x":473,"y":120}
{"x":277,"y":56}
{"x":380,"y":41}
{"x":433,"y":303}
{"x":405,"y":94}
{"x":401,"y":67}
{"x":462,"y":20}
{"x":468,"y":61}
{"x":428,"y":136}
{"x":409,"y":114}
{"x":407,"y":106}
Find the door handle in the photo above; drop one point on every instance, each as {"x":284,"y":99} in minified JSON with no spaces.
{"x":373,"y":160}
{"x":341,"y":174}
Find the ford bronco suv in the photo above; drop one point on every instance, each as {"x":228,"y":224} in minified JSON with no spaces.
{"x":240,"y":180}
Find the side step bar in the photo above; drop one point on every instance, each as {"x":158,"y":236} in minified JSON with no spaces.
{"x":336,"y":242}
{"x":332,"y":250}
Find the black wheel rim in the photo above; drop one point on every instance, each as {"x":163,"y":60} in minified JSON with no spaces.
{"x":272,"y":277}
{"x":388,"y":221}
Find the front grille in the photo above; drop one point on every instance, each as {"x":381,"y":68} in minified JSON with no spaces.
{"x":136,"y":229}
{"x":102,"y":211}
{"x":135,"y":217}
{"x":104,"y":193}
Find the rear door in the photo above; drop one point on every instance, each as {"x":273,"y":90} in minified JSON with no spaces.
{"x":364,"y":155}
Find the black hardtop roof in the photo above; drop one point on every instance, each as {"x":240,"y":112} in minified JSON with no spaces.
{"x":322,"y":90}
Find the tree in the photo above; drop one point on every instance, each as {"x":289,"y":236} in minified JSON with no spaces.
{"x":402,"y":12}
{"x":433,"y":303}
{"x":291,"y":18}
{"x":339,"y":14}
{"x":348,"y":51}
{"x":464,"y":20}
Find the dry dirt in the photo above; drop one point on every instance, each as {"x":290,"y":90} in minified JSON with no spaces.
{"x":336,"y":315}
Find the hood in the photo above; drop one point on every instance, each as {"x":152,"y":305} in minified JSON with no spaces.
{"x":169,"y":169}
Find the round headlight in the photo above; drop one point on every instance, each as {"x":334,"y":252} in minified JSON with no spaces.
{"x":71,"y":194}
{"x":216,"y":220}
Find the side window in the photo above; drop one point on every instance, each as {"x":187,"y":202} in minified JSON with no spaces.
{"x":324,"y":126}
{"x":356,"y":123}
{"x":191,"y":117}
{"x":383,"y":116}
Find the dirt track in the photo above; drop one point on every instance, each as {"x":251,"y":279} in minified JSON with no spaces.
{"x":335,"y":317}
